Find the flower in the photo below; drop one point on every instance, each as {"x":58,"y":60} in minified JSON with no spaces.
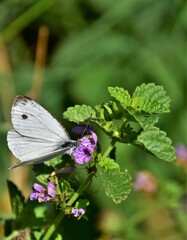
{"x":181,"y":153}
{"x":85,"y":149}
{"x":77,"y":212}
{"x":145,"y":182}
{"x":41,"y":194}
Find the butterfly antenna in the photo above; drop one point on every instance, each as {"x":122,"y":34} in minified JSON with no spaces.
{"x":88,"y":123}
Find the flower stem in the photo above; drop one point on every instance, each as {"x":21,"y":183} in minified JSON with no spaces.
{"x":54,"y":226}
{"x":59,"y":218}
{"x":81,"y":189}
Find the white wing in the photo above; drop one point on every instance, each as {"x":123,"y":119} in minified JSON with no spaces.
{"x":37,"y":136}
{"x":33,"y":150}
{"x":32,"y":120}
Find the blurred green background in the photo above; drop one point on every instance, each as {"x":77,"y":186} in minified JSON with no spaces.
{"x":67,"y":52}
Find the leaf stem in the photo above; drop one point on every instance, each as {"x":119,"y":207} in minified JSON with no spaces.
{"x":60,"y":216}
{"x":109,"y":149}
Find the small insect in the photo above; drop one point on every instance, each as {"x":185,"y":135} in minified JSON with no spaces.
{"x":37,"y":136}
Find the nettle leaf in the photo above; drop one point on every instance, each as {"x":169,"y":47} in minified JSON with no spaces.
{"x":117,"y":184}
{"x":157,"y":143}
{"x":150,"y":98}
{"x":16,"y":198}
{"x":146,"y":120}
{"x":79,"y":113}
{"x":120,"y":95}
{"x":107,"y":163}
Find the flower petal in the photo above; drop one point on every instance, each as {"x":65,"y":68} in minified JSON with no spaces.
{"x":34,"y":196}
{"x":51,"y":189}
{"x":38,"y":187}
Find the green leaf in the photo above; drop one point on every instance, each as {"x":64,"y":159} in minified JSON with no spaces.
{"x":150,"y":98}
{"x":16,"y":198}
{"x":146,"y":120}
{"x":107,"y":163}
{"x":120,"y":95}
{"x":82,"y":203}
{"x":157,"y":143}
{"x":22,"y":209}
{"x":79,"y":113}
{"x":117,"y":184}
{"x":66,"y":189}
{"x":43,"y":178}
{"x":109,"y":111}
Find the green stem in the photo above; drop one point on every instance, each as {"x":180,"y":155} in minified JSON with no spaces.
{"x":54,"y":226}
{"x":81,"y":189}
{"x":59,"y":218}
{"x":109,"y":149}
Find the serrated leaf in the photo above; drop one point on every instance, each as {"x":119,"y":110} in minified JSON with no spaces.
{"x":157,"y":143}
{"x":121,"y":95}
{"x":146,"y":120}
{"x":150,"y":98}
{"x":16,"y":198}
{"x":117,"y":184}
{"x":79,"y":113}
{"x":108,"y":163}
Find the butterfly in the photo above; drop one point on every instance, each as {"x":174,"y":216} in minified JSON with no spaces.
{"x":37,"y":136}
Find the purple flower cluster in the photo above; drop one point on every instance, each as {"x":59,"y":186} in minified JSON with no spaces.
{"x":85,"y":149}
{"x":41,"y":194}
{"x":78,"y":212}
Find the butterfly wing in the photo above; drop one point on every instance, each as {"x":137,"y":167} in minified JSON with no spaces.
{"x":32,"y":150}
{"x":32,"y":120}
{"x":36,"y":136}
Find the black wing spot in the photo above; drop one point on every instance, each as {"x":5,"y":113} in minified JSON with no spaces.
{"x":24,"y":116}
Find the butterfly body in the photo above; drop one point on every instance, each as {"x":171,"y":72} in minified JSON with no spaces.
{"x":37,"y":136}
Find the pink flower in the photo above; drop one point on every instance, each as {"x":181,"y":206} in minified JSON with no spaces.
{"x":77,"y":212}
{"x":145,"y":182}
{"x":85,"y":149}
{"x":41,"y":194}
{"x":181,"y":153}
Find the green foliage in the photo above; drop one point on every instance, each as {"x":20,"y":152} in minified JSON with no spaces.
{"x":78,"y":113}
{"x":115,"y":118}
{"x":117,"y":184}
{"x":155,"y":141}
{"x":150,"y":99}
{"x":22,"y":209}
{"x":107,"y":163}
{"x":17,"y":199}
{"x":121,"y":96}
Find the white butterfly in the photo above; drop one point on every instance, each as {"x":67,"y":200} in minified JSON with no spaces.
{"x":37,"y":136}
